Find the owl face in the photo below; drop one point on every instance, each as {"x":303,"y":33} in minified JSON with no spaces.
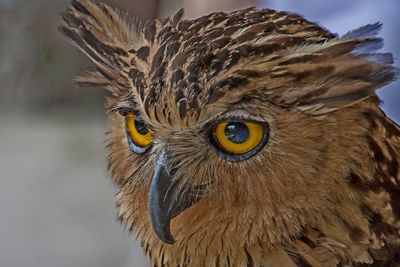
{"x":234,"y":114}
{"x":186,"y":163}
{"x":253,"y":152}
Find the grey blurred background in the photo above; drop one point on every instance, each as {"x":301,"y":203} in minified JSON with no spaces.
{"x":56,"y":198}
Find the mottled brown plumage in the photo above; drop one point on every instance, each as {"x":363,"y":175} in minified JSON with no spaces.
{"x":325,"y":189}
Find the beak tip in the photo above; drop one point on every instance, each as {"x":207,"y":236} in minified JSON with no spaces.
{"x":161,"y":225}
{"x":168,"y":239}
{"x":162,"y":229}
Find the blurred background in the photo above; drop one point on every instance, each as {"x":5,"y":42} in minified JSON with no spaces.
{"x":56,"y":198}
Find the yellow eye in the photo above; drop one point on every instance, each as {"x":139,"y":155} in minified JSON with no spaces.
{"x":139,"y":134}
{"x":239,"y":140}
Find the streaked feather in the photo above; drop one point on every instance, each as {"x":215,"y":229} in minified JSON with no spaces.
{"x":324,"y":192}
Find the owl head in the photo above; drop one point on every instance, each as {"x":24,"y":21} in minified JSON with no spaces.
{"x":250,"y":114}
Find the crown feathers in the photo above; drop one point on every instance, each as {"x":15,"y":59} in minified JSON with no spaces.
{"x":293,"y":63}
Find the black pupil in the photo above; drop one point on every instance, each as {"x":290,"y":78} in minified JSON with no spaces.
{"x":141,"y":127}
{"x":236,"y":132}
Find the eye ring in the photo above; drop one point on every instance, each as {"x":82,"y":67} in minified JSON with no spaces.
{"x":140,"y":137}
{"x":236,"y":140}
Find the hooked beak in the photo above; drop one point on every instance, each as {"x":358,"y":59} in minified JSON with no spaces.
{"x":164,"y":204}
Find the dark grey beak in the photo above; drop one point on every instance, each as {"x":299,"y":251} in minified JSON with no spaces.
{"x":164,"y":206}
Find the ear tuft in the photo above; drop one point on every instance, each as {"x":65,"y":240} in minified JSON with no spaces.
{"x":106,"y":37}
{"x":338,"y":73}
{"x":366,"y":31}
{"x":178,"y":16}
{"x":91,"y":79}
{"x":368,"y":46}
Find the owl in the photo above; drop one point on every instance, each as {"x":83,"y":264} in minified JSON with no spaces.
{"x":251,"y":138}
